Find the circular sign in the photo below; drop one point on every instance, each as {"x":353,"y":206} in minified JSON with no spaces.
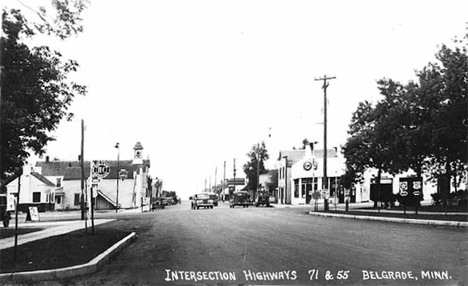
{"x":307,"y":165}
{"x":403,"y":193}
{"x":416,"y":193}
{"x":123,"y":174}
{"x":100,"y":169}
{"x":316,"y":195}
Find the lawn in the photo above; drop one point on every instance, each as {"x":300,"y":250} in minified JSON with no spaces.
{"x":10,"y":232}
{"x":66,"y":250}
{"x":451,"y":213}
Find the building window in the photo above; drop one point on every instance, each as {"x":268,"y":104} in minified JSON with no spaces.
{"x":59,"y":182}
{"x":333,"y":185}
{"x":315,"y":184}
{"x":77,"y":200}
{"x":36,"y":197}
{"x":296,"y":188}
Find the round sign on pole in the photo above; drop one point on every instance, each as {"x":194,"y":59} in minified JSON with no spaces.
{"x":123,"y":174}
{"x":316,"y":195}
{"x":100,"y":169}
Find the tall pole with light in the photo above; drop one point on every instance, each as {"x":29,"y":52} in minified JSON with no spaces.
{"x":117,"y":172}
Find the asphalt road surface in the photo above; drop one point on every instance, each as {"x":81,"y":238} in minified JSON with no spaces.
{"x":273,"y":246}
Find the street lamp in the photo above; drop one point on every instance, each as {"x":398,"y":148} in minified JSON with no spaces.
{"x":117,"y":172}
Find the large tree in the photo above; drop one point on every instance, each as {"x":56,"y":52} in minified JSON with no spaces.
{"x":35,"y":90}
{"x":257,"y":157}
{"x":420,"y":126}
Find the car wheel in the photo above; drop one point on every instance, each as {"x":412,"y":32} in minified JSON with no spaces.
{"x":198,"y":207}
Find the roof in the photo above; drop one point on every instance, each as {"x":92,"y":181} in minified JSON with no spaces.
{"x":331,"y":153}
{"x":71,"y":170}
{"x":292,"y":156}
{"x":138,"y":146}
{"x":42,"y":179}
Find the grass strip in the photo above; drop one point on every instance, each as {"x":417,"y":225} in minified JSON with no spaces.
{"x":70,"y":249}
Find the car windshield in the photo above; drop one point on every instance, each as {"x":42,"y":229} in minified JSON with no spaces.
{"x":213,"y":197}
{"x":202,"y":196}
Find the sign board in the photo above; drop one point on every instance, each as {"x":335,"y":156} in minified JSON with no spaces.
{"x":316,"y":195}
{"x":99,"y":169}
{"x":123,"y":174}
{"x":325,"y":193}
{"x":33,"y":214}
{"x":403,"y":189}
{"x":307,"y":165}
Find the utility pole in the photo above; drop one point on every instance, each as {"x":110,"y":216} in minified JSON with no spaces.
{"x":224,"y":179}
{"x":258,"y":171}
{"x":216,"y":172}
{"x":325,"y":179}
{"x":234,"y":182}
{"x":82,"y":171}
{"x":117,"y":173}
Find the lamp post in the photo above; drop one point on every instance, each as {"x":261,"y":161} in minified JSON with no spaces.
{"x":117,"y":172}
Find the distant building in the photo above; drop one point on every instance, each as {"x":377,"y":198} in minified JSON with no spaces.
{"x":56,"y":185}
{"x":269,"y":182}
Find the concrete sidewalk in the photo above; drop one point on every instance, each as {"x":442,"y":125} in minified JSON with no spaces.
{"x":51,"y":228}
{"x":357,"y":207}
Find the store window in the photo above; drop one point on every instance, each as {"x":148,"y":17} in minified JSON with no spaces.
{"x":296,"y":188}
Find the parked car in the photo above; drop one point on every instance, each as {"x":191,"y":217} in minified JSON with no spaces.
{"x":215,"y":199}
{"x":240,"y":198}
{"x":263,"y":199}
{"x":5,"y":216}
{"x":159,"y":203}
{"x":202,"y":200}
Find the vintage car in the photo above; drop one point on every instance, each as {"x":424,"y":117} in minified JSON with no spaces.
{"x":263,"y":199}
{"x":202,"y":200}
{"x":159,"y":203}
{"x":240,"y":198}
{"x":215,"y":199}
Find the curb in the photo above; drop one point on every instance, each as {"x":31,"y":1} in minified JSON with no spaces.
{"x":455,"y":224}
{"x":72,"y":271}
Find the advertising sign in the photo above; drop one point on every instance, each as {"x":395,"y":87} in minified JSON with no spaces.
{"x":99,"y":169}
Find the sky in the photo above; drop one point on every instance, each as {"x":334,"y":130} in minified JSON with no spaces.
{"x":198,"y":83}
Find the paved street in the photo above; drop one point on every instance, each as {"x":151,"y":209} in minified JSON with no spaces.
{"x":286,"y":246}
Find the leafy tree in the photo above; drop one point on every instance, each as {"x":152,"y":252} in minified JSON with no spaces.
{"x":36,"y":92}
{"x":257,"y":157}
{"x":367,"y":146}
{"x":443,"y":99}
{"x":420,"y":126}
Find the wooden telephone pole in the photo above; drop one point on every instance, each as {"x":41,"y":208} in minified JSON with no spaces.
{"x":325,"y":178}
